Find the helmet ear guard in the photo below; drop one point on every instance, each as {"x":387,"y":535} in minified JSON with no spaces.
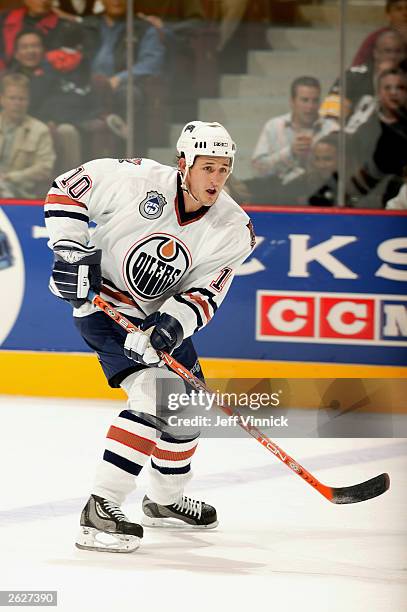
{"x":203,"y":138}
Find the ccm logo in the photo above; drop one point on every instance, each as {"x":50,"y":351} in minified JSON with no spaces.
{"x":308,"y":317}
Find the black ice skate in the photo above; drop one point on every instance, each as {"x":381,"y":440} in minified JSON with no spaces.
{"x":193,"y":513}
{"x":105,"y":528}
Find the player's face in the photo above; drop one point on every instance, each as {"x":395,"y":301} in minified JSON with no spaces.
{"x":398,"y":14}
{"x":393,"y":92}
{"x":38,"y":7}
{"x":29,"y":51}
{"x":305,"y":105}
{"x":14,"y":102}
{"x":207,"y":177}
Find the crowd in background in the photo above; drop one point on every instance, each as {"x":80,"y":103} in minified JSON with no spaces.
{"x":64,"y":82}
{"x":296,"y":157}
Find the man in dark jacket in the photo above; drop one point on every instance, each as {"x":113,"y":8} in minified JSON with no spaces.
{"x":38,"y":15}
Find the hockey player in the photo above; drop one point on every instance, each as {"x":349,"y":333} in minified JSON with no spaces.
{"x":164,"y":251}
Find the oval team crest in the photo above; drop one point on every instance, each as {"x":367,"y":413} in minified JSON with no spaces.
{"x":154,"y":264}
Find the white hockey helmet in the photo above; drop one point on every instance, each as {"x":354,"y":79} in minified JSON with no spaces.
{"x":203,"y":138}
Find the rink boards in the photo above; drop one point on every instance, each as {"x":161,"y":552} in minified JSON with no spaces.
{"x":322,"y":295}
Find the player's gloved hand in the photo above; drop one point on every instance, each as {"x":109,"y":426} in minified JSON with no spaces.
{"x":160,"y":332}
{"x":76,"y":270}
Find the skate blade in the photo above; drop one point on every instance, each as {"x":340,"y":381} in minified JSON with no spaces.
{"x":173,"y":523}
{"x":101,"y":541}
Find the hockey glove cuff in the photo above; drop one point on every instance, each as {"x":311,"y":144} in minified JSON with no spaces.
{"x":76,"y":270}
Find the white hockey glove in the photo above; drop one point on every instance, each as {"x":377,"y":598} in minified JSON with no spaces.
{"x":161,"y":332}
{"x":76,"y":270}
{"x":137,"y":346}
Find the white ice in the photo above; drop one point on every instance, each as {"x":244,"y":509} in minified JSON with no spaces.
{"x":280,"y":546}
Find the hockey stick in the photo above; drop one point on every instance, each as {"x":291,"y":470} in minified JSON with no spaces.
{"x":337,"y":495}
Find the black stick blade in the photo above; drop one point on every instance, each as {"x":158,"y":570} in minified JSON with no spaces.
{"x":360,"y":492}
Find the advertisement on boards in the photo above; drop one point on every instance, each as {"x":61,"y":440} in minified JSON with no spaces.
{"x":320,"y":286}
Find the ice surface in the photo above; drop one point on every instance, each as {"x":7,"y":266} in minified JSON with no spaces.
{"x":279,"y":545}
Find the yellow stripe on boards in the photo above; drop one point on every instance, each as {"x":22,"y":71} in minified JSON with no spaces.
{"x":240,"y":368}
{"x":54,"y":375}
{"x":80,"y":375}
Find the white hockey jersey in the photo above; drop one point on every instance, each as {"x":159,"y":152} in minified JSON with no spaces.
{"x":155,"y":255}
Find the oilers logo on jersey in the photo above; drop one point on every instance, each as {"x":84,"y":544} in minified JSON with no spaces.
{"x":152,"y":205}
{"x":155,"y":264}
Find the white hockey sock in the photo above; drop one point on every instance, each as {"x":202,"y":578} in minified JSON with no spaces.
{"x":170,"y":469}
{"x":129,"y":443}
{"x":130,"y":440}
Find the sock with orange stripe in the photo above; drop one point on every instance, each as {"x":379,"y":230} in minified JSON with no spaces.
{"x":130,"y":441}
{"x":170,"y":468}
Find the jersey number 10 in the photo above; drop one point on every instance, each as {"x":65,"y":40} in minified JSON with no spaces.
{"x":77,"y":188}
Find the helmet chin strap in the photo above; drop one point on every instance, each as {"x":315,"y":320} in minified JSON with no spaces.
{"x":185,"y":188}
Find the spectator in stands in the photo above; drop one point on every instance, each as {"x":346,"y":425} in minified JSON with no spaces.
{"x":389,"y":52}
{"x":29,"y":59}
{"x":47,"y":95}
{"x":284,"y":146}
{"x":389,"y":158}
{"x":36,"y":14}
{"x":105,"y":41}
{"x":396,"y":11}
{"x":27,"y":154}
{"x":66,"y":101}
{"x":390,"y":111}
{"x":313,"y":186}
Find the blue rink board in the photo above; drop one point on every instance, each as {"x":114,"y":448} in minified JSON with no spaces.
{"x":366,"y":271}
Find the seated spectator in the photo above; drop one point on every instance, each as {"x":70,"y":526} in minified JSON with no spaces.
{"x":389,"y":158}
{"x":105,"y":40}
{"x":27,"y":154}
{"x":390,"y":111}
{"x":38,"y":15}
{"x":29,"y":59}
{"x":396,"y":11}
{"x":389,"y":52}
{"x":284,"y":146}
{"x":311,"y":187}
{"x":66,"y":101}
